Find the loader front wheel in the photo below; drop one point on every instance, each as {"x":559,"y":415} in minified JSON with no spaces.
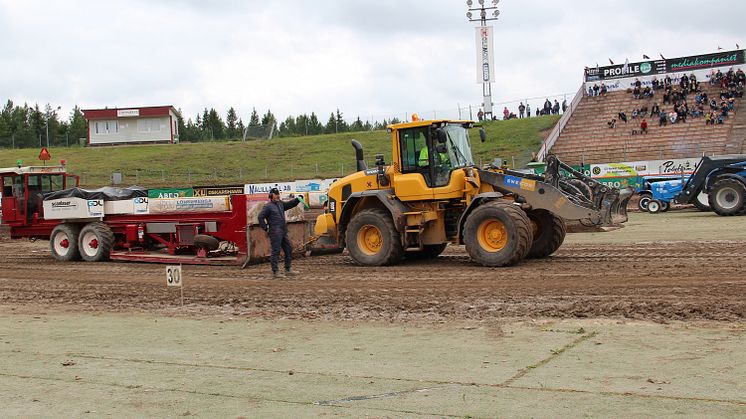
{"x":63,"y":242}
{"x":372,"y":239}
{"x":549,"y":232}
{"x":498,"y":234}
{"x":95,"y":242}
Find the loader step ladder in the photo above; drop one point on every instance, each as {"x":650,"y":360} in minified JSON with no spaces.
{"x":415,"y":225}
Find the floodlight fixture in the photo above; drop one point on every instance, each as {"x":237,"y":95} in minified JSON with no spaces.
{"x":469,"y":3}
{"x":468,"y":15}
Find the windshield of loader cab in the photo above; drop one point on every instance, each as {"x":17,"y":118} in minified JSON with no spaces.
{"x":459,"y":147}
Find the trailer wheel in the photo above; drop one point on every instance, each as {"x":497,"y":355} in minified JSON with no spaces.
{"x":665,"y":206}
{"x":642,"y":204}
{"x":549,"y":232}
{"x":95,"y":242}
{"x":498,"y":234}
{"x":728,"y":197}
{"x":655,"y":206}
{"x":431,"y":251}
{"x":702,"y":202}
{"x":372,"y":239}
{"x":206,"y":241}
{"x":63,"y":242}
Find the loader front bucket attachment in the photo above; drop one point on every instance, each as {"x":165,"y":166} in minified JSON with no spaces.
{"x":618,"y":207}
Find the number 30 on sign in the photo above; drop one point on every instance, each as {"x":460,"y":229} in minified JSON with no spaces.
{"x":173,"y":276}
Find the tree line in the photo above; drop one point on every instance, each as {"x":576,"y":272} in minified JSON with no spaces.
{"x":210,"y":126}
{"x":24,"y":126}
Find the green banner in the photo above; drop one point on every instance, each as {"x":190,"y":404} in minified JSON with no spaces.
{"x":170,"y":193}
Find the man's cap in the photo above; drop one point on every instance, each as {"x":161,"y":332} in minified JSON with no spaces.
{"x":274,"y":191}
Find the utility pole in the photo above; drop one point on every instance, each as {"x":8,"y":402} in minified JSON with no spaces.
{"x":485,"y":70}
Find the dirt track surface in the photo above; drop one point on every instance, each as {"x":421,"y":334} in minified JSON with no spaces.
{"x":659,"y":281}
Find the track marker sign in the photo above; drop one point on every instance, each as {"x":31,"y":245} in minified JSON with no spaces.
{"x":173,"y":276}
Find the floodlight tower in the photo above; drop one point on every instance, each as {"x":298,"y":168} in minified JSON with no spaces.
{"x":485,"y":63}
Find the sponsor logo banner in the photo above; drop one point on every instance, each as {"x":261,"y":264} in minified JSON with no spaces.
{"x":705,"y":61}
{"x":218,"y":190}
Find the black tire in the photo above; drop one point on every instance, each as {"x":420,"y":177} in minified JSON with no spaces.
{"x":655,"y":206}
{"x":728,"y":197}
{"x":207,"y":242}
{"x":665,"y":206}
{"x":549,"y":232}
{"x":63,"y":242}
{"x":431,"y":251}
{"x":702,"y":202}
{"x":95,"y":242}
{"x":642,"y":204}
{"x":372,"y":239}
{"x":498,"y":233}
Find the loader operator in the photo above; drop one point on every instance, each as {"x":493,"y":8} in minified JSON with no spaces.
{"x":272,"y":220}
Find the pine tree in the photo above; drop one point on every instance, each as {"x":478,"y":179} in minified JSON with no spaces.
{"x":230,"y":121}
{"x":341,"y":124}
{"x":357,"y":125}
{"x":331,"y":125}
{"x":314,"y":126}
{"x":77,"y":127}
{"x":254,"y":120}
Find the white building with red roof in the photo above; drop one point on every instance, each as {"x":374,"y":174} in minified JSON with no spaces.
{"x":151,"y":124}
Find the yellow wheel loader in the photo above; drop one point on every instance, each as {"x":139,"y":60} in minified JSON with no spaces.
{"x":432,"y":194}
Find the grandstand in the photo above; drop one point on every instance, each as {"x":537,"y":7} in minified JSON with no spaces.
{"x":582,"y":135}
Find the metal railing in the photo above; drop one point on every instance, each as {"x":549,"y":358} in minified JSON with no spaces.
{"x":557,"y":130}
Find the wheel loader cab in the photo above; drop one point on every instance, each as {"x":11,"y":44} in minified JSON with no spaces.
{"x":428,"y":153}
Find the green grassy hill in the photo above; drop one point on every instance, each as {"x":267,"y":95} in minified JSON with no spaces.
{"x":280,"y":159}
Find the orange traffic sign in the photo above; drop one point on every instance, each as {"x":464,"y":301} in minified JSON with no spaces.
{"x":44,"y":154}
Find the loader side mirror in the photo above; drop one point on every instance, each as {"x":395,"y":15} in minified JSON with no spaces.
{"x":482,"y":134}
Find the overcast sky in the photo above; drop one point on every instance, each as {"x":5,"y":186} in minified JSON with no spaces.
{"x":375,"y":59}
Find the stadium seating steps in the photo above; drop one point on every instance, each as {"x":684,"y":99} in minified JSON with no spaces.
{"x":587,"y":137}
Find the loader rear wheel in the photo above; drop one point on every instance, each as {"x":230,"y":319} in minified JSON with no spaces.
{"x":63,"y":242}
{"x":95,"y":242}
{"x":431,"y":251}
{"x":372,"y":239}
{"x":549,"y":232}
{"x":728,"y":197}
{"x":498,"y":234}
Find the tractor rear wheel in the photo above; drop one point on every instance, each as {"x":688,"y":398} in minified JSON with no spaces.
{"x":498,"y":234}
{"x":95,"y":242}
{"x":728,"y":197}
{"x":549,"y":232}
{"x":63,"y":242}
{"x":642,"y":204}
{"x":430,"y":251}
{"x":372,"y":239}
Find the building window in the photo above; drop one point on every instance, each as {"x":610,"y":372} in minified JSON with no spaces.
{"x":106,"y":127}
{"x":149,"y":125}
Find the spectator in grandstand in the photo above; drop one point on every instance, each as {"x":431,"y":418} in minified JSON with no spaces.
{"x":681,"y":110}
{"x":637,"y":83}
{"x":731,"y":103}
{"x":662,"y":118}
{"x":555,"y":108}
{"x":672,"y":117}
{"x":547,"y":107}
{"x":643,"y":111}
{"x":635,"y":112}
{"x":521,"y":110}
{"x":480,"y":115}
{"x":622,"y":116}
{"x":739,"y":90}
{"x":705,"y":99}
{"x":636,"y":92}
{"x":713,"y":104}
{"x":644,"y":126}
{"x":647,"y":92}
{"x":667,"y":81}
{"x":590,"y":92}
{"x":709,"y":118}
{"x":724,"y":108}
{"x":697,"y":111}
{"x":595,"y":89}
{"x":667,"y":96}
{"x":506,"y":113}
{"x":564,"y":105}
{"x":721,"y":119}
{"x":656,"y":84}
{"x":656,"y":109}
{"x":528,"y":111}
{"x":698,"y":98}
{"x":684,"y":83}
{"x":612,"y":123}
{"x":604,"y":89}
{"x":740,"y":76}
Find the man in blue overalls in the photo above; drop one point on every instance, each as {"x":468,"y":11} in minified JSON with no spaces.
{"x":272,"y":220}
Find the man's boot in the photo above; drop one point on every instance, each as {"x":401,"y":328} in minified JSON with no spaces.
{"x":291,"y":272}
{"x":278,"y":275}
